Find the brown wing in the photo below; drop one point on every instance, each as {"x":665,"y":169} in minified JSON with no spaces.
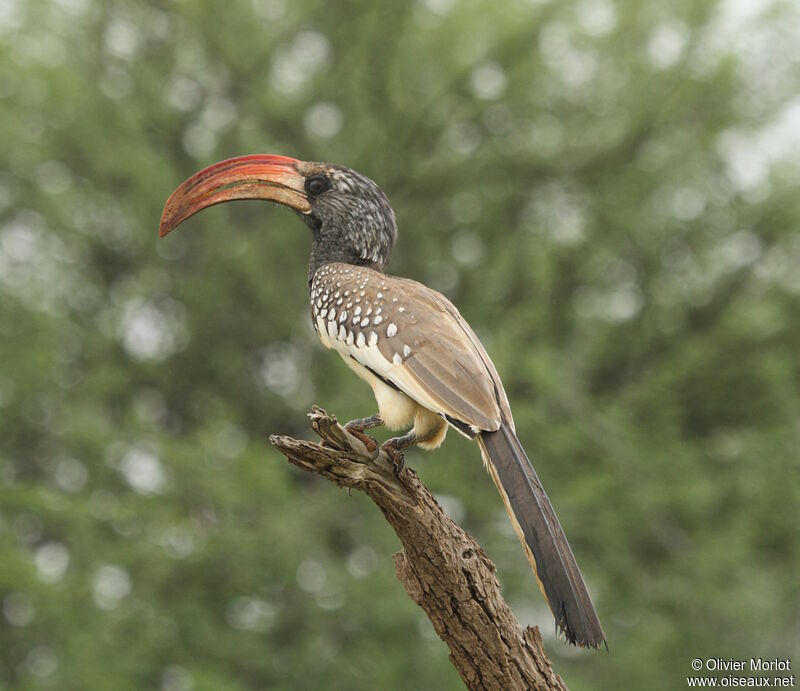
{"x":447,"y":364}
{"x":412,"y":337}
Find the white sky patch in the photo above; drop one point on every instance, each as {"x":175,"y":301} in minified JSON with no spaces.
{"x":178,"y":541}
{"x":269,"y":9}
{"x":147,"y":332}
{"x":452,"y":506}
{"x":70,"y":475}
{"x":279,"y":370}
{"x":440,"y":7}
{"x":51,"y":560}
{"x":616,"y":305}
{"x":764,"y":44}
{"x":749,"y":155}
{"x":687,"y":203}
{"x":176,"y":678}
{"x":666,"y":44}
{"x":736,"y":251}
{"x":230,"y":441}
{"x":10,"y":14}
{"x":41,"y":661}
{"x":143,"y":471}
{"x":738,"y":14}
{"x":294,"y":65}
{"x":330,"y":598}
{"x":623,"y":304}
{"x":311,"y":576}
{"x":199,"y":140}
{"x":219,"y":114}
{"x":18,"y":610}
{"x":35,"y":265}
{"x":74,"y":7}
{"x":184,"y":93}
{"x":780,"y":264}
{"x":251,"y":614}
{"x":597,"y":17}
{"x":488,"y":81}
{"x":110,"y":585}
{"x":122,"y":38}
{"x":575,"y":67}
{"x":746,"y":162}
{"x":558,"y":213}
{"x":468,"y":248}
{"x":323,"y":120}
{"x":20,"y":243}
{"x":463,"y":138}
{"x":361,"y":562}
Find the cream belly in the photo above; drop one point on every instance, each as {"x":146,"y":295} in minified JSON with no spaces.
{"x":397,"y":410}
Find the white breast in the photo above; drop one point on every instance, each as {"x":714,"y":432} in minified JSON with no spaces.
{"x":396,"y":409}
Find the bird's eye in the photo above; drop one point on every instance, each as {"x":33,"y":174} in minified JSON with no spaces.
{"x":317,"y":184}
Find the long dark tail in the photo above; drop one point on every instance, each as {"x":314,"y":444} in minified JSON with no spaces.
{"x":542,"y":537}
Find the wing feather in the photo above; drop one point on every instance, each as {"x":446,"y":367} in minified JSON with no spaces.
{"x":413,"y":337}
{"x":446,"y":369}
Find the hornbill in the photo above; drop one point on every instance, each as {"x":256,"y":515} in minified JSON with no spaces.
{"x":424,"y":363}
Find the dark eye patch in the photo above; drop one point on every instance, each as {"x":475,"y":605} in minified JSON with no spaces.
{"x":317,"y":184}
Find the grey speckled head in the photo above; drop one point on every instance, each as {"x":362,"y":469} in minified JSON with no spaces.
{"x":349,"y":215}
{"x":351,"y":218}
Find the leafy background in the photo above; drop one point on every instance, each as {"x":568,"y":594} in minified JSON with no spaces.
{"x":608,"y":190}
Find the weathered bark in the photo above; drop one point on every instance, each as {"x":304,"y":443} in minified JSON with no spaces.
{"x":442,"y":568}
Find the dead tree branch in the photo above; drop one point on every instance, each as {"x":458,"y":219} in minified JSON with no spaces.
{"x":442,"y":568}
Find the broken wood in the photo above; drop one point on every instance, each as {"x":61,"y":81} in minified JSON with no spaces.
{"x":441,"y":567}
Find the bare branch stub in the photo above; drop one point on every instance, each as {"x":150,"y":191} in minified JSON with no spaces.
{"x":441,"y":567}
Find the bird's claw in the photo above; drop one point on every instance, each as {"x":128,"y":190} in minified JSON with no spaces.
{"x":369,"y":442}
{"x":395,"y":456}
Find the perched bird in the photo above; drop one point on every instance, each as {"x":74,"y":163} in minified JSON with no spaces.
{"x":426,"y":366}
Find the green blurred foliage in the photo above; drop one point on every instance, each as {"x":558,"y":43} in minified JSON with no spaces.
{"x":608,"y":190}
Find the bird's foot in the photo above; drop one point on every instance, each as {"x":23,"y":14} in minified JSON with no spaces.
{"x":395,"y":456}
{"x":356,"y":428}
{"x":369,"y":442}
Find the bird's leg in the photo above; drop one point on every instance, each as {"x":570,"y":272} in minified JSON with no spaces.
{"x":356,"y":428}
{"x":363,"y":423}
{"x":425,"y":430}
{"x":394,"y":447}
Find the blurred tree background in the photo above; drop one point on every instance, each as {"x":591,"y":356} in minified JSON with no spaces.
{"x":607,"y":189}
